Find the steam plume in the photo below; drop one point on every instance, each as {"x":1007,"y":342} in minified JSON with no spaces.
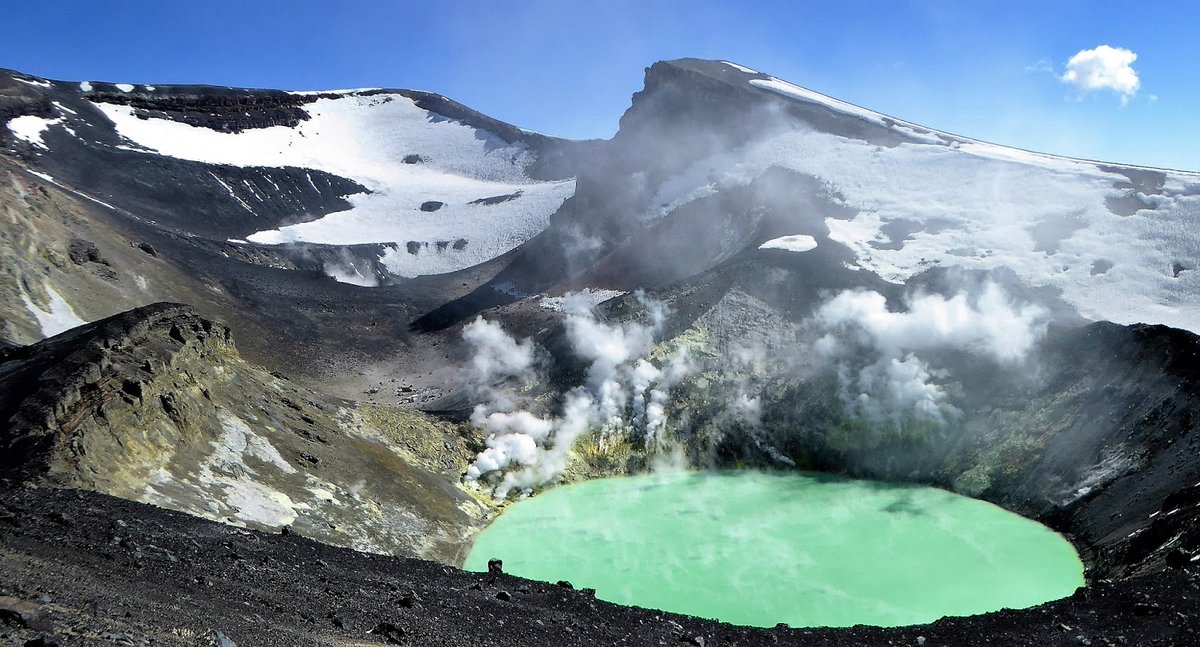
{"x":878,"y":352}
{"x":623,"y":393}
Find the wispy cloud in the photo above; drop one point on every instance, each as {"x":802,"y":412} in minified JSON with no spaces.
{"x":1043,"y":66}
{"x":1103,"y":68}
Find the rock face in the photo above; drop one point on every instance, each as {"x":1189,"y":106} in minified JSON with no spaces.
{"x":156,"y":405}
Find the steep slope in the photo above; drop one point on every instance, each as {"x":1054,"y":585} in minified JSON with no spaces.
{"x":713,"y":160}
{"x":153,"y":227}
{"x":155,"y":405}
{"x":446,"y":190}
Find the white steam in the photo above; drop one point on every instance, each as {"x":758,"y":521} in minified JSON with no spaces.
{"x":497,"y":354}
{"x":877,"y":351}
{"x":350,"y":274}
{"x":624,"y":393}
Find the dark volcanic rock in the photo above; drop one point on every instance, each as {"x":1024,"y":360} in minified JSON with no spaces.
{"x":222,"y":109}
{"x":432,"y":205}
{"x":23,"y":614}
{"x":84,"y":251}
{"x":103,"y":586}
{"x":496,"y":199}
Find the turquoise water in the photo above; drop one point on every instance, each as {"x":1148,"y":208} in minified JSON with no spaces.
{"x":758,"y":548}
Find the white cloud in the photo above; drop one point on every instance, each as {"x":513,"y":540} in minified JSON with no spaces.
{"x":1042,"y":66}
{"x":1103,"y":68}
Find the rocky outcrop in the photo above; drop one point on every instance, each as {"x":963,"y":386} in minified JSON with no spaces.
{"x":222,"y":109}
{"x":156,"y":405}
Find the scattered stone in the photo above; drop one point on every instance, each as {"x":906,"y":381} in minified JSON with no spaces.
{"x":432,"y":205}
{"x":22,"y":613}
{"x":84,"y":251}
{"x":413,"y":159}
{"x":409,"y":600}
{"x":504,"y":596}
{"x":1146,"y":609}
{"x":496,"y":199}
{"x":392,"y":634}
{"x":563,"y":584}
{"x":148,"y":248}
{"x":223,"y":640}
{"x":43,"y":641}
{"x":1178,"y":558}
{"x":495,"y":565}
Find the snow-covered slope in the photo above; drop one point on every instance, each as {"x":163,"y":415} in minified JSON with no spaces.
{"x":1120,"y":242}
{"x":451,"y":196}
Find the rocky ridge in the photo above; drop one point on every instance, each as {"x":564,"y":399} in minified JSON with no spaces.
{"x":156,"y":405}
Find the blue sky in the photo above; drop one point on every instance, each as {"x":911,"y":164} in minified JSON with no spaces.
{"x":990,"y":70}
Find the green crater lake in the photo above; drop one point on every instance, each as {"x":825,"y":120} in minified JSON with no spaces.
{"x":756,"y":548}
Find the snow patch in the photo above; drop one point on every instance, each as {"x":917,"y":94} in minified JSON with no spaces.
{"x":980,"y":206}
{"x":795,"y":243}
{"x":86,"y":86}
{"x":30,"y":128}
{"x":39,"y":83}
{"x":587,"y":297}
{"x":60,"y":317}
{"x":235,"y":196}
{"x":124,"y":87}
{"x":47,"y":177}
{"x":366,"y":138}
{"x":740,"y":68}
{"x":792,"y":91}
